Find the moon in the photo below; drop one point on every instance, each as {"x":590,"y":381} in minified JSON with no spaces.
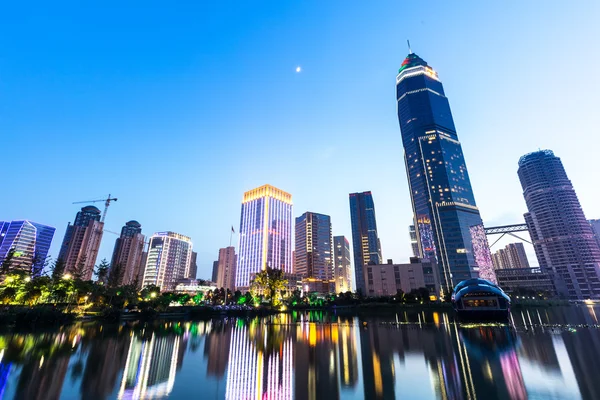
{"x":298,"y":69}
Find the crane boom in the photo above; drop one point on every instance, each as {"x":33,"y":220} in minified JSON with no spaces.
{"x":106,"y":204}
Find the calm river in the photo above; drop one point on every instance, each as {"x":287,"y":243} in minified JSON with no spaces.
{"x":544,"y":354}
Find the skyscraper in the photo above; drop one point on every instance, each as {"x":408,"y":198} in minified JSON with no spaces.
{"x":447,"y":221}
{"x":562,"y":238}
{"x":342,"y":268}
{"x":414,"y":243}
{"x":29,"y":241}
{"x":169,"y":256}
{"x":313,"y":246}
{"x":81,"y":243}
{"x":595,"y":224}
{"x":512,"y":256}
{"x":365,"y":242}
{"x":193,"y":270}
{"x":129,"y":248}
{"x":265,"y":233}
{"x":226,"y":268}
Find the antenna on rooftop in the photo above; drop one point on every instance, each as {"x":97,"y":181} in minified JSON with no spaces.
{"x":409,"y":49}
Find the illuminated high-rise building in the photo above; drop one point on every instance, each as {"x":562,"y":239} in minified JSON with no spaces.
{"x":265,"y":233}
{"x":512,"y":256}
{"x":169,"y":260}
{"x":562,"y":238}
{"x":414,"y":243}
{"x":29,"y":242}
{"x":128,"y":251}
{"x":342,"y":268}
{"x":365,"y":242}
{"x":313,"y":246}
{"x":447,"y":221}
{"x":80,"y":245}
{"x":226,"y":268}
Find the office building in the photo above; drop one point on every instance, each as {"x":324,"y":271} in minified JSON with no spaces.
{"x":265,"y":233}
{"x":595,"y":224}
{"x":414,"y":243}
{"x":447,"y":221}
{"x":342,"y":269}
{"x":365,"y":242}
{"x":313,"y":246}
{"x":534,"y":279}
{"x":169,"y":259}
{"x":387,"y":279}
{"x":128,"y":252}
{"x":193,"y":270}
{"x":226,"y":266}
{"x":80,"y":245}
{"x":215,"y":271}
{"x":512,"y":256}
{"x":562,"y":238}
{"x":29,"y":243}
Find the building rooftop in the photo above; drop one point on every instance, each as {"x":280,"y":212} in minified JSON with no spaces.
{"x":412,"y":60}
{"x":267,"y":191}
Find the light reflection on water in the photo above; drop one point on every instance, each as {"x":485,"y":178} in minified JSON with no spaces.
{"x":547,"y":353}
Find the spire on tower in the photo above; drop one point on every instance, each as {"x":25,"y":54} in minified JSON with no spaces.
{"x":409,"y":49}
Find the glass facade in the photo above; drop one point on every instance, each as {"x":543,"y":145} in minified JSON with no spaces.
{"x":365,"y":242}
{"x":563,"y":240}
{"x":30,"y":242}
{"x":169,"y":259}
{"x":447,"y":221}
{"x":342,"y":266}
{"x":265,"y":233}
{"x":313,"y":246}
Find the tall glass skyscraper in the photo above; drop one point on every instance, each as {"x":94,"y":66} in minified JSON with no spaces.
{"x":563,"y":240}
{"x":341,"y":264}
{"x":30,"y":242}
{"x":313,"y":246}
{"x":169,"y":260}
{"x":365,"y":242}
{"x":265,"y":233}
{"x":447,"y":221}
{"x":128,"y":251}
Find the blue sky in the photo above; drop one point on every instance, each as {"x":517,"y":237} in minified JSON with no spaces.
{"x":177,"y":109}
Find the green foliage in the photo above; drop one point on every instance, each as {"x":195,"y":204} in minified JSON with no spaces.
{"x":102,"y":271}
{"x":115,"y":276}
{"x":270,"y":283}
{"x":58,"y":269}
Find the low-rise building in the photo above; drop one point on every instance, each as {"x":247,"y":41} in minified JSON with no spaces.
{"x":387,"y":279}
{"x":511,"y":279}
{"x":194,"y":286}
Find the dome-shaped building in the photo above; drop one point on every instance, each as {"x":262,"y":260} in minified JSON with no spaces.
{"x":480,"y":299}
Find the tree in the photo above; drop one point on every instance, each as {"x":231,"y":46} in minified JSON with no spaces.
{"x":58,"y":269}
{"x":80,"y":270}
{"x":102,"y":271}
{"x":115,"y":275}
{"x":7,"y":263}
{"x":269,"y":282}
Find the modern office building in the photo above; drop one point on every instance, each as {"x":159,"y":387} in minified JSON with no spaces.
{"x":365,"y":241}
{"x":387,"y":279}
{"x":414,"y":243}
{"x":595,"y":224}
{"x":215,"y":271}
{"x":563,"y":239}
{"x":29,"y":243}
{"x":80,"y":245}
{"x":128,"y":252}
{"x":342,"y":268}
{"x":447,"y":221}
{"x":193,"y":270}
{"x":226,"y":266}
{"x":169,"y":259}
{"x":313,"y":246}
{"x":513,"y":279}
{"x":265,"y":233}
{"x":512,"y":256}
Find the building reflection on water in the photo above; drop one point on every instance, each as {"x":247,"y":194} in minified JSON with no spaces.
{"x":308,"y":356}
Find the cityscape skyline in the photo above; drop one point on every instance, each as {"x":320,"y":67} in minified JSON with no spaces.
{"x":476,"y":117}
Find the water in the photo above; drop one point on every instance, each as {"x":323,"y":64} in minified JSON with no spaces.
{"x":311,"y":356}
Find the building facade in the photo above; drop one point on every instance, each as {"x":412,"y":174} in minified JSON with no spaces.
{"x":387,"y":279}
{"x":414,"y":243}
{"x":562,"y":238}
{"x":448,"y":226}
{"x":193,"y":271}
{"x":128,"y":252}
{"x":595,"y":224}
{"x":29,"y":243}
{"x":342,"y":268}
{"x":313,"y":252}
{"x":534,"y":279}
{"x":80,"y":245}
{"x":365,"y":241}
{"x":226,"y":267}
{"x":168,"y":261}
{"x":512,"y":256}
{"x":265,"y":233}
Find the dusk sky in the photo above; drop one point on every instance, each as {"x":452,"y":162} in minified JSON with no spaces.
{"x":179,"y":109}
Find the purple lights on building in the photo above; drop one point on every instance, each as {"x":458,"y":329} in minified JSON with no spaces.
{"x":482,"y":254}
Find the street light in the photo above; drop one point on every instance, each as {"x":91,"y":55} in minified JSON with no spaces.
{"x":67,"y":276}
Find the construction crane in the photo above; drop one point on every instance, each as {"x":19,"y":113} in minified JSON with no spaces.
{"x":106,"y":204}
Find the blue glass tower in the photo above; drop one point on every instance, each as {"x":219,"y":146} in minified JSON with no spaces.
{"x":365,"y":242}
{"x":447,"y":221}
{"x":30,"y":242}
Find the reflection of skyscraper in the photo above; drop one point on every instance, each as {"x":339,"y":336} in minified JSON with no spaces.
{"x":128,"y":252}
{"x":562,"y":237}
{"x":265,"y":233}
{"x":42,"y":381}
{"x":30,"y":242}
{"x":105,"y":360}
{"x":150,"y":367}
{"x":365,"y":241}
{"x":342,"y":267}
{"x":216,"y":348}
{"x":81,"y":242}
{"x":346,"y":349}
{"x":443,"y":202}
{"x":169,"y":256}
